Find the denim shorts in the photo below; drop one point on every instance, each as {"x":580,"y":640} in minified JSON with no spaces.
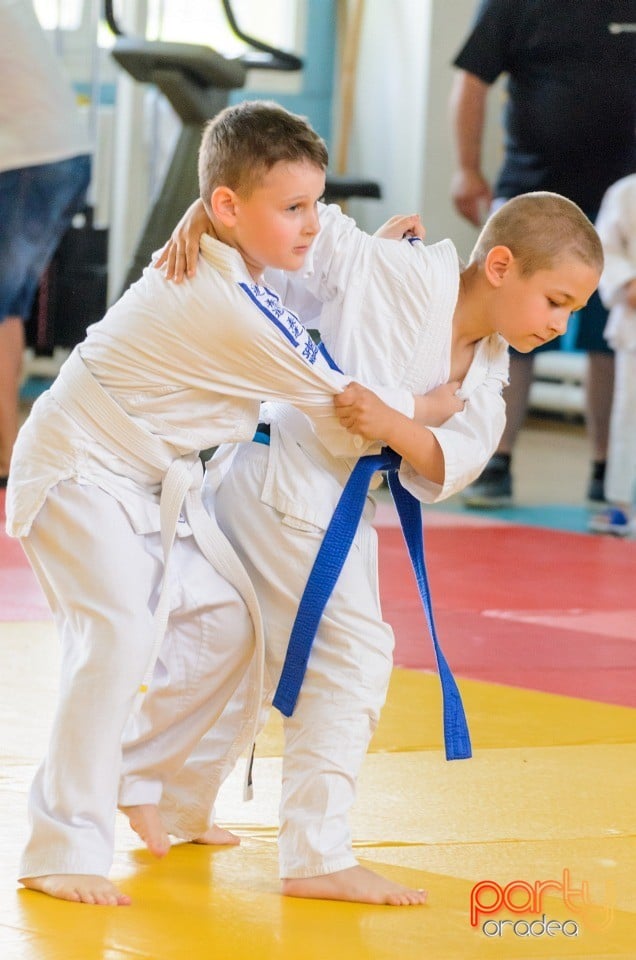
{"x":592,"y":320}
{"x":37,"y":205}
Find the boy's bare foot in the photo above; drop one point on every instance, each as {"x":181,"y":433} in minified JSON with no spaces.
{"x":147,"y":823}
{"x":79,"y":888}
{"x":218,"y":836}
{"x":356,"y":884}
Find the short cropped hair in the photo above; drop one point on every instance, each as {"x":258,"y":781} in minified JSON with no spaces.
{"x":540,"y":229}
{"x":243,"y":142}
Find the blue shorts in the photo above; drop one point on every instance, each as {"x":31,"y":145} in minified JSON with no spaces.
{"x":592,"y":320}
{"x":37,"y":205}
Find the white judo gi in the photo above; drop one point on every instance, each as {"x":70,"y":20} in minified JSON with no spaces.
{"x":387,"y":314}
{"x":616,"y":226}
{"x":105,"y":490}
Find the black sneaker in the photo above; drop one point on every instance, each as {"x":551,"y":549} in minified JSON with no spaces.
{"x":596,"y":486}
{"x":494,"y":487}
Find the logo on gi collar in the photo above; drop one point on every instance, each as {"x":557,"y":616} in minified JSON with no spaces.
{"x":526,"y":901}
{"x":288,"y":324}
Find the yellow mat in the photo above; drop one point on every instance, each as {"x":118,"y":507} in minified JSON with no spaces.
{"x":411,"y":719}
{"x":550,"y":789}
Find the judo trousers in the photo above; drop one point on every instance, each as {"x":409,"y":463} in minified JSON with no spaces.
{"x":103,"y":590}
{"x":344,"y":688}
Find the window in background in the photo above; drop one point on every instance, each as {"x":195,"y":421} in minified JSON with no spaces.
{"x":59,"y":14}
{"x":191,"y":21}
{"x":204,"y":21}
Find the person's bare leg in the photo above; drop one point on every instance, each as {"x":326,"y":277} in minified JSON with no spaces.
{"x":356,"y":884}
{"x":79,"y":888}
{"x":11,"y":350}
{"x":599,"y":390}
{"x":516,"y":395}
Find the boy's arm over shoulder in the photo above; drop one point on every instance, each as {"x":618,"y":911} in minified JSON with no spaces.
{"x":342,"y":257}
{"x":377,"y":275}
{"x":335,"y":255}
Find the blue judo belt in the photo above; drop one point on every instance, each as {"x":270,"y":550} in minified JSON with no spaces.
{"x":324,"y":574}
{"x":330,"y":560}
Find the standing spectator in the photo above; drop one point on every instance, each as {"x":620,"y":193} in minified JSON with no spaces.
{"x":44,"y":173}
{"x":569,"y":127}
{"x":616,"y":225}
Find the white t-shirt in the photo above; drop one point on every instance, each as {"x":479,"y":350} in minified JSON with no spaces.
{"x":39,"y":119}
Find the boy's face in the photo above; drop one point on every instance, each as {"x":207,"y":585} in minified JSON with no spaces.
{"x":535,"y":309}
{"x":276,"y":224}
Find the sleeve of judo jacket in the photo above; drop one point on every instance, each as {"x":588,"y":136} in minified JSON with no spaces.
{"x":469,"y":438}
{"x":260,"y":348}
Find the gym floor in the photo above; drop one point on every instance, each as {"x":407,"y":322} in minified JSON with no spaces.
{"x":534,"y":839}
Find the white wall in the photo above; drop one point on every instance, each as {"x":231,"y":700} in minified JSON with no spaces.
{"x":401,"y":135}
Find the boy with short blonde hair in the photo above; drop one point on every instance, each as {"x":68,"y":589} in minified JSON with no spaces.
{"x":409,"y":315}
{"x":541,"y":230}
{"x":240,"y":145}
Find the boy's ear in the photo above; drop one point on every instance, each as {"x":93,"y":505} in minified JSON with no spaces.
{"x":498,"y":262}
{"x":223,"y":205}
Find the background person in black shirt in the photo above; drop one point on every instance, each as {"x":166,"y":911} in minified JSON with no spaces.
{"x":570,"y":127}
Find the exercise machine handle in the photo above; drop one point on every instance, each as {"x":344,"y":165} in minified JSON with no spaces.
{"x":276,"y":59}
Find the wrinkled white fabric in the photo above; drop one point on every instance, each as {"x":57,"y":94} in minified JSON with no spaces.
{"x":104,"y":474}
{"x":388,"y":313}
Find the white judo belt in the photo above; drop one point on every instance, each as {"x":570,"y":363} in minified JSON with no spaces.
{"x":85,"y":400}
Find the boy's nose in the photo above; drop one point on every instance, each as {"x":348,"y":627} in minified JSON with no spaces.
{"x":560,"y":326}
{"x":312,"y":223}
